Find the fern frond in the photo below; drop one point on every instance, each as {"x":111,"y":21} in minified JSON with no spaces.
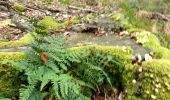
{"x":26,"y":92}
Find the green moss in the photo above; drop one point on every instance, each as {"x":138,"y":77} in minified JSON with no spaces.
{"x":150,"y":80}
{"x":19,"y":7}
{"x":151,"y":41}
{"x":147,"y":39}
{"x":25,"y":40}
{"x":9,"y":82}
{"x":49,"y":23}
{"x":11,"y":56}
{"x":110,"y":50}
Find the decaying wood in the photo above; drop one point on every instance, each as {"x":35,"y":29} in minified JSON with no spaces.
{"x":153,"y":15}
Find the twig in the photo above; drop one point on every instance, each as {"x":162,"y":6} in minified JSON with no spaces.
{"x":85,"y":10}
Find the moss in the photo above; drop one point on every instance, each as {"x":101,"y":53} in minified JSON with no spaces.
{"x":11,"y":56}
{"x":152,"y":80}
{"x":9,"y":82}
{"x":19,"y":7}
{"x":110,"y":50}
{"x":151,"y":41}
{"x":25,"y":40}
{"x":117,"y":62}
{"x":49,"y":23}
{"x":147,"y":39}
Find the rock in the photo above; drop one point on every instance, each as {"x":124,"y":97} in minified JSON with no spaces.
{"x":3,"y":8}
{"x":4,"y":15}
{"x":22,"y":23}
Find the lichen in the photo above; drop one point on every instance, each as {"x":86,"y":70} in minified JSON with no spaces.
{"x":152,"y":81}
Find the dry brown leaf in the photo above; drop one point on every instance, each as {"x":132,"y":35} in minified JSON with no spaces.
{"x":44,"y":57}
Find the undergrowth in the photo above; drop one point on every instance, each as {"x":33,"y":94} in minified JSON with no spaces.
{"x":54,"y":71}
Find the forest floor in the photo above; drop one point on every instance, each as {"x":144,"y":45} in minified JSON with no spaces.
{"x":83,"y":23}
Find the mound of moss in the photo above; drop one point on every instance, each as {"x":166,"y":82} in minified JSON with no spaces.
{"x":48,"y":24}
{"x":19,"y":7}
{"x":11,"y":56}
{"x":25,"y":40}
{"x":9,"y":82}
{"x":151,"y":81}
{"x":151,"y":41}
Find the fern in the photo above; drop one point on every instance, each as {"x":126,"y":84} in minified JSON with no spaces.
{"x":67,"y":87}
{"x":40,"y":74}
{"x":55,"y":71}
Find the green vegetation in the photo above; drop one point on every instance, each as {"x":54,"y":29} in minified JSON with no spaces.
{"x":11,"y":56}
{"x":25,"y":40}
{"x":19,"y":7}
{"x":151,"y":41}
{"x":151,"y":81}
{"x":65,"y":1}
{"x":47,"y":73}
{"x":50,"y":70}
{"x":9,"y":81}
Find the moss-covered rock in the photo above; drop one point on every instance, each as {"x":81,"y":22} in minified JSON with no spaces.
{"x":151,"y":41}
{"x":19,"y":7}
{"x":116,"y":62}
{"x":150,"y":81}
{"x":25,"y":40}
{"x":49,"y":23}
{"x":126,"y":52}
{"x":9,"y":82}
{"x":11,"y":56}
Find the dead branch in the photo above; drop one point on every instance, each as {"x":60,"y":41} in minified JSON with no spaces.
{"x":84,"y":10}
{"x":153,"y":15}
